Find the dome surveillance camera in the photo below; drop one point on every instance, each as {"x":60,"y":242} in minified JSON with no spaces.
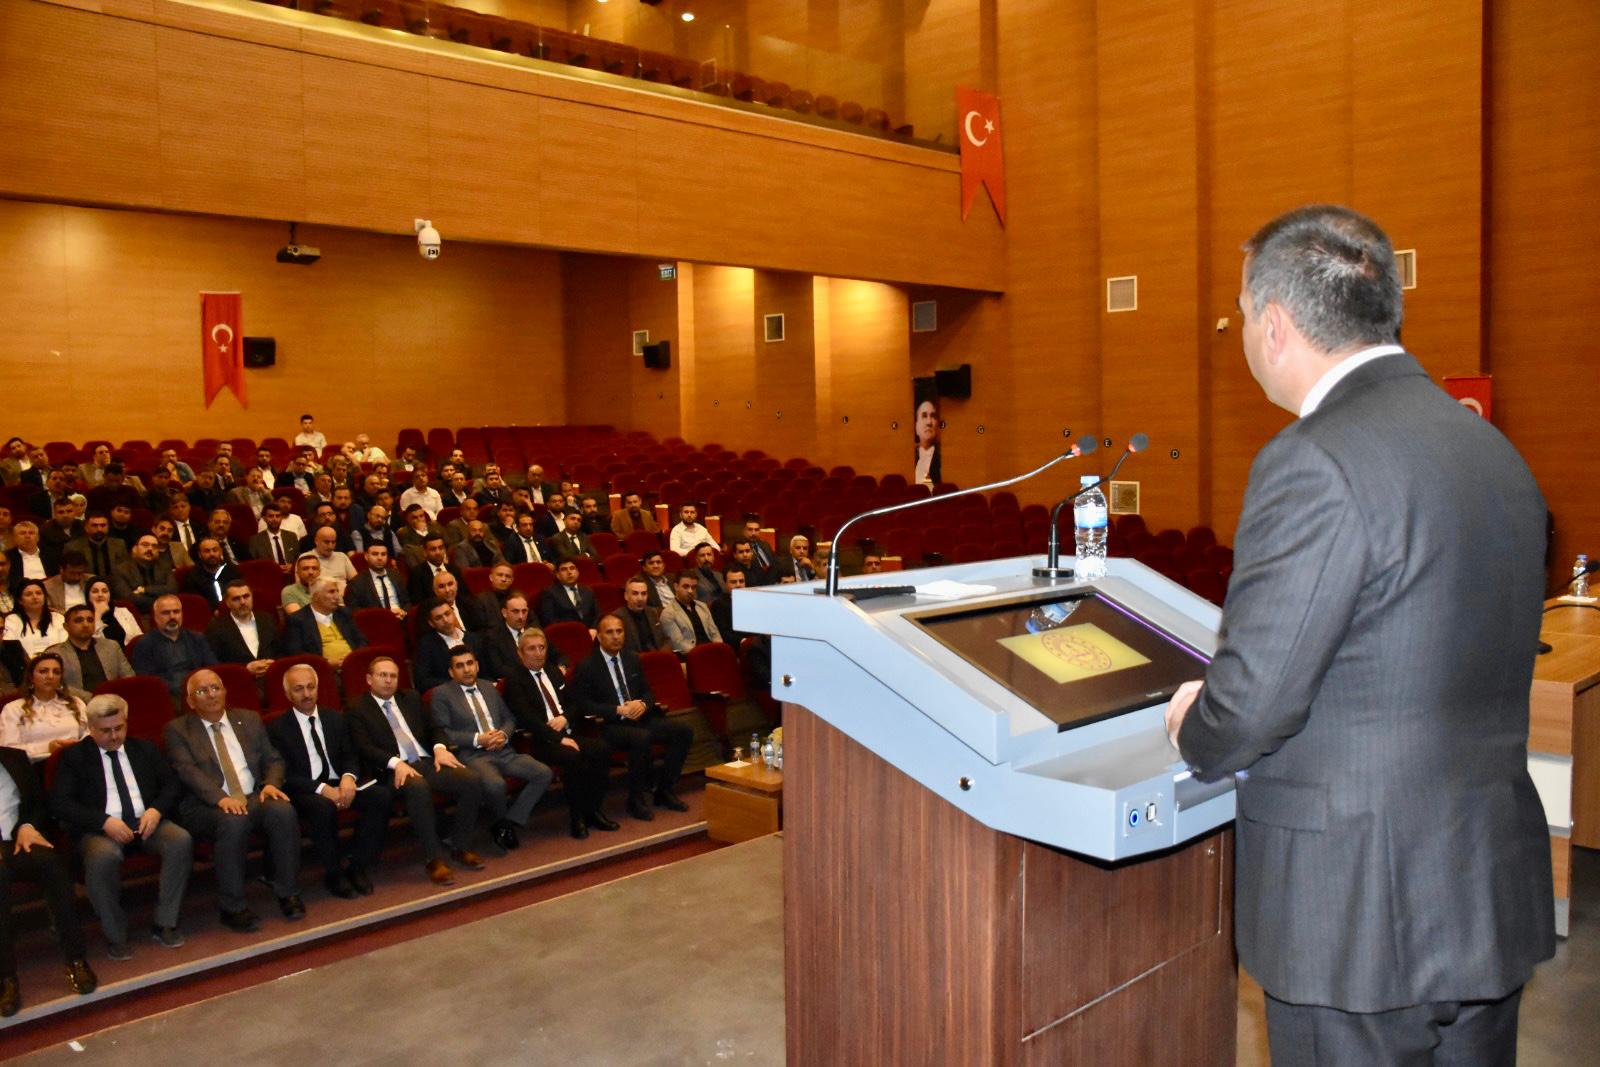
{"x":428,"y":241}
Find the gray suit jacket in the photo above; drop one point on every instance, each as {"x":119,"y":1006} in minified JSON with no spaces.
{"x":453,"y":718}
{"x":680,"y":631}
{"x":112,"y":661}
{"x":1377,"y":650}
{"x":188,"y":743}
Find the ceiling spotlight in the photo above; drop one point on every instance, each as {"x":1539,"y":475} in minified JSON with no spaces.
{"x":687,"y":16}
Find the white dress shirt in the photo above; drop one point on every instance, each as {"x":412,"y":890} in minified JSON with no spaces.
{"x":32,"y":565}
{"x":319,"y":773}
{"x":402,"y":731}
{"x":251,"y":634}
{"x":685,"y":536}
{"x":247,"y":778}
{"x":1339,"y":371}
{"x":552,"y":703}
{"x":113,"y":801}
{"x":429,"y":498}
{"x":10,"y":806}
{"x":383,"y":585}
{"x":53,"y":720}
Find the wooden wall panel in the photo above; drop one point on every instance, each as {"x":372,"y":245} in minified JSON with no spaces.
{"x":1544,"y":166}
{"x":870,"y":372}
{"x":971,"y":330}
{"x":366,"y":142}
{"x":785,"y":381}
{"x":489,"y":188}
{"x":722,"y":407}
{"x":589,"y":176}
{"x":371,"y":338}
{"x":944,"y":48}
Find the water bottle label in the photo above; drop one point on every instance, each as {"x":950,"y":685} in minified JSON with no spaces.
{"x":1089,"y":516}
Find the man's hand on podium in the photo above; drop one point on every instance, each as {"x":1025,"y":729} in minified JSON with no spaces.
{"x":1182,"y":701}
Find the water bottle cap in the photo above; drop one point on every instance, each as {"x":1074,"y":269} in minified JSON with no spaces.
{"x":1088,"y":479}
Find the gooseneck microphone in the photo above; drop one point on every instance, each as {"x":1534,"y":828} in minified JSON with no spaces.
{"x":1052,"y":569}
{"x":1084,"y":446}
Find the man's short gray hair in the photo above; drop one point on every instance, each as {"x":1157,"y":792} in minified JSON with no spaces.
{"x":1333,"y":270}
{"x":105,"y":706}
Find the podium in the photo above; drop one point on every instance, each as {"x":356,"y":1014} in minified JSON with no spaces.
{"x":992,"y":855}
{"x":1564,"y":739}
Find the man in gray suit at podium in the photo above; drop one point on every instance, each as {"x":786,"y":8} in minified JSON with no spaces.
{"x":1393,"y":873}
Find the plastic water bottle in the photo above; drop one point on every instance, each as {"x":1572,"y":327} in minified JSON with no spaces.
{"x":777,"y":756}
{"x":1580,"y":580}
{"x":1089,"y":516}
{"x":766,"y":753}
{"x":755,"y":748}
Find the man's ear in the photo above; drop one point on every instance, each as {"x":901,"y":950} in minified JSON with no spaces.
{"x":1274,"y":332}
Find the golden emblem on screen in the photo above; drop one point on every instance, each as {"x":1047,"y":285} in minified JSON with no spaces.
{"x":1073,"y":653}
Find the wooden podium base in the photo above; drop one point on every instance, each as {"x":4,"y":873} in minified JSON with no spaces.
{"x":913,"y":934}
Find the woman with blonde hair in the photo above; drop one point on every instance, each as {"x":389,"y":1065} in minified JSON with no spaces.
{"x":47,"y":716}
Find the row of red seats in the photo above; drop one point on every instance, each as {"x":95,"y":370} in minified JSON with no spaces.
{"x":446,"y":23}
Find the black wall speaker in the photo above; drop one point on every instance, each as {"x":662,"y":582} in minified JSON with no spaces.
{"x":260,"y":351}
{"x":658,"y":356}
{"x":956,"y":383}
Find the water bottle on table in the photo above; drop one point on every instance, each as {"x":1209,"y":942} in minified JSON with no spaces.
{"x":1089,"y":516}
{"x":1580,"y":575}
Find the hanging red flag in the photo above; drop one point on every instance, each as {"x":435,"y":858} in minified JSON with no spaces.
{"x":1473,"y":391}
{"x":982,"y":161}
{"x":222,"y":344}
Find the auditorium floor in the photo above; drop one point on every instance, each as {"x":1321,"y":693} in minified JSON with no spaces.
{"x":679,"y":965}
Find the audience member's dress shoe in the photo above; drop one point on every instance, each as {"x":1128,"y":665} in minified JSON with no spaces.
{"x":439,"y":874}
{"x":243,"y":921}
{"x":292,"y":907}
{"x":80,"y":977}
{"x":666,"y":798}
{"x":598,"y":820}
{"x":359,"y":881}
{"x":580,"y":829}
{"x":505,"y":835}
{"x":119,"y":950}
{"x":10,"y":997}
{"x":167,"y":936}
{"x":467,"y":858}
{"x":340,"y":886}
{"x":639,"y":808}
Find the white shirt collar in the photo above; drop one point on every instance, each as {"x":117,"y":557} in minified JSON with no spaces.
{"x":1339,"y":371}
{"x":322,"y":620}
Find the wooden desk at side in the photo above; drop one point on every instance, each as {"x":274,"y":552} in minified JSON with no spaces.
{"x":1564,"y":744}
{"x":743,"y":802}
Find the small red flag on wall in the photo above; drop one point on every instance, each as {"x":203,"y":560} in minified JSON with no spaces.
{"x":982,"y":161}
{"x":222,"y":344}
{"x":1472,"y":391}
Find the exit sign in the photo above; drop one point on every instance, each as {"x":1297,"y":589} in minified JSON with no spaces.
{"x":669,"y":271}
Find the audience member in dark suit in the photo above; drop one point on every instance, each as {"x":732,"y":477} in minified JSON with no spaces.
{"x":448,"y":588}
{"x":134,"y":813}
{"x":653,"y":566}
{"x":241,"y":634}
{"x":762,"y":559}
{"x":551,"y":520}
{"x":758,"y":656}
{"x":26,"y":854}
{"x":64,"y":526}
{"x":374,"y":530}
{"x":502,"y":583}
{"x":56,"y":487}
{"x":567,"y":601}
{"x":641,"y":623}
{"x":526,"y":546}
{"x":275,"y":543}
{"x":572,"y":541}
{"x":477,"y":724}
{"x":220,"y":526}
{"x":87,"y":660}
{"x":320,"y":775}
{"x":1393,"y":872}
{"x":305,"y":633}
{"x":184,"y":529}
{"x":430,"y":665}
{"x":610,"y":689}
{"x":211,"y":572}
{"x":537,"y":699}
{"x":722,"y":610}
{"x":170,"y":651}
{"x":498,"y":643}
{"x":26,"y":550}
{"x":796,"y":566}
{"x":594,"y":520}
{"x":378,"y":586}
{"x":233,"y":785}
{"x":100,"y":550}
{"x":711,"y":586}
{"x":434,"y":560}
{"x":145,"y":576}
{"x":396,"y":743}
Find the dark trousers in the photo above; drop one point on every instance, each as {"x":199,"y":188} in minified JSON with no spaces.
{"x":102,"y":875}
{"x":46,"y":870}
{"x":417,"y":795}
{"x":1481,"y":1033}
{"x":230,"y":835}
{"x":320,"y":817}
{"x":635,"y":738}
{"x":584,"y":770}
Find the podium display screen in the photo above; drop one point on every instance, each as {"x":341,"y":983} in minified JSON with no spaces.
{"x":1076,"y":658}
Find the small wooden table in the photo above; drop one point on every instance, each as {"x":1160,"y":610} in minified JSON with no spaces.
{"x":743,"y":802}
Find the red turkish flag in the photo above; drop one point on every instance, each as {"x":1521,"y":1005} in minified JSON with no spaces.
{"x":222,"y":344}
{"x":982,"y":161}
{"x":1473,"y":391}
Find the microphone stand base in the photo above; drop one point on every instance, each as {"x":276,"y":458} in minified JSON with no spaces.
{"x":1054,"y":574}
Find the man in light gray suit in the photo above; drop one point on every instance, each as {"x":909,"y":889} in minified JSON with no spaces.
{"x":1393,"y":873}
{"x":82,"y":653}
{"x":685,"y":620}
{"x":478,"y":725}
